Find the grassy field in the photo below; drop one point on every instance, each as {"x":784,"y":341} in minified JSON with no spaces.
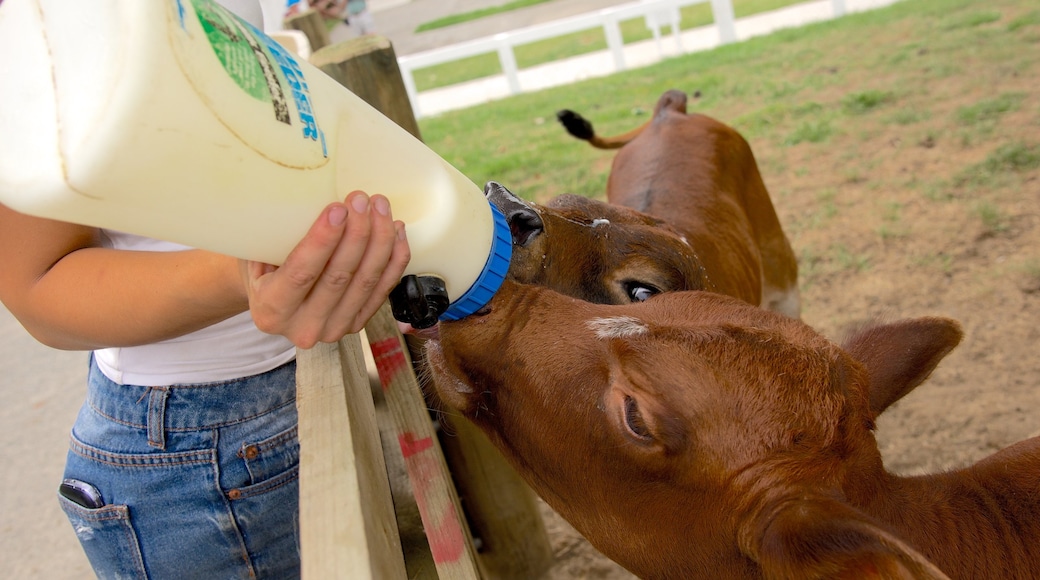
{"x":476,"y":14}
{"x":829,"y":107}
{"x":575,"y":44}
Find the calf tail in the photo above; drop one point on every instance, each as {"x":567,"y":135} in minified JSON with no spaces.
{"x":581,"y":128}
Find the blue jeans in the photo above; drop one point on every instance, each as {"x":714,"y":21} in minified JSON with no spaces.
{"x":198,"y":481}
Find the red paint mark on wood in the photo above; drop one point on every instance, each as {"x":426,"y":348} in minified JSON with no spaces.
{"x":390,"y":359}
{"x":446,"y":541}
{"x":410,"y":445}
{"x":439,"y":514}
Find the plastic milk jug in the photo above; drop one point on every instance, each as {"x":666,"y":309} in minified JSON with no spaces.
{"x":176,"y":120}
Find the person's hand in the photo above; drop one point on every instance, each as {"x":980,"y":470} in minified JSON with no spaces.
{"x":336,"y":277}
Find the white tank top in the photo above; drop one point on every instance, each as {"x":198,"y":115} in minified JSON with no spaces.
{"x":231,"y":349}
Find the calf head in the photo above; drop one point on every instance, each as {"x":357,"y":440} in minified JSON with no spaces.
{"x":689,"y":435}
{"x":595,"y":251}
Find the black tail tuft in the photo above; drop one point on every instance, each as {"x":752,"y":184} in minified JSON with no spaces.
{"x":575,"y":124}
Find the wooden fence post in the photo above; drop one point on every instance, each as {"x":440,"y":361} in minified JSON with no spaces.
{"x":502,"y":509}
{"x":311,"y":23}
{"x":352,"y":531}
{"x":449,"y":540}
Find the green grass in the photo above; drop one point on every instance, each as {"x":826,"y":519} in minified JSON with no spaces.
{"x":892,"y":226}
{"x":476,"y":14}
{"x":866,"y":101}
{"x":1001,"y":166}
{"x":824,"y":209}
{"x":836,"y":259}
{"x":1031,"y":270}
{"x":940,"y":261}
{"x":1013,"y":157}
{"x":810,"y":132}
{"x":574,"y":44}
{"x":969,"y":20}
{"x":798,"y":96}
{"x":908,"y":116}
{"x":989,"y":109}
{"x":846,"y":260}
{"x":992,"y":217}
{"x":1028,"y":19}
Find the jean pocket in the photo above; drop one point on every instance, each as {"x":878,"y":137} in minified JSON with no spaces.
{"x":271,"y":462}
{"x":108,"y":539}
{"x":266,"y":510}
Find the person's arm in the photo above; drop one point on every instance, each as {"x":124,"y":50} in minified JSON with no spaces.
{"x":70,"y":293}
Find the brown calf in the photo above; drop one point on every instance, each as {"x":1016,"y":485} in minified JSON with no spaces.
{"x":694,"y":436}
{"x":687,"y":211}
{"x":700,"y":177}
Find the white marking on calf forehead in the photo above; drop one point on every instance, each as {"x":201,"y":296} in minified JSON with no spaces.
{"x":617,"y":327}
{"x":600,"y":222}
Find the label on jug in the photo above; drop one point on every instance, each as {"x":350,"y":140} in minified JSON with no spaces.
{"x":252,"y":84}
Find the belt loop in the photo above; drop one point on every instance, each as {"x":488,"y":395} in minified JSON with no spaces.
{"x":157,"y":416}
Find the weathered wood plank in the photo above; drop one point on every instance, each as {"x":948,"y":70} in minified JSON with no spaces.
{"x":434,"y":491}
{"x":311,"y":23}
{"x":346,"y":513}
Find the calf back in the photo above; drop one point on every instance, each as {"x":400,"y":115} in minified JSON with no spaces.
{"x":700,"y":177}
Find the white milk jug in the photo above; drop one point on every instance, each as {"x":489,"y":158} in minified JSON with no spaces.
{"x":176,"y":120}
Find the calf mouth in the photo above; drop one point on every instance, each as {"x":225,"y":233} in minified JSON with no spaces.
{"x":430,"y":333}
{"x":451,"y":389}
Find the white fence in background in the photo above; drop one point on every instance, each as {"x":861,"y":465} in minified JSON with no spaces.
{"x":657,"y":14}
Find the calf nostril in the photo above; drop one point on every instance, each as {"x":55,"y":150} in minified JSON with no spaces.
{"x":524,"y":225}
{"x":497,"y":193}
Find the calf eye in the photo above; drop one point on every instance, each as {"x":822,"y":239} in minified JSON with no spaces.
{"x":639,"y":292}
{"x":634,"y":420}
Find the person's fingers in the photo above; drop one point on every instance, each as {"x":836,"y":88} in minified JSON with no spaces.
{"x":338,"y":288}
{"x":252,"y":271}
{"x":390,"y":277}
{"x":336,"y":277}
{"x":351,"y":313}
{"x":277,"y":293}
{"x":388,"y":265}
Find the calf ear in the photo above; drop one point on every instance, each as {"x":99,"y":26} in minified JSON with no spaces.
{"x":901,"y":355}
{"x":810,"y":538}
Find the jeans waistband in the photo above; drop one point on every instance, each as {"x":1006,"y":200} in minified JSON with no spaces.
{"x":191,"y":407}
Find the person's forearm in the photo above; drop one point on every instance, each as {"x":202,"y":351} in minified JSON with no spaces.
{"x":71,"y":293}
{"x":97,"y":297}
